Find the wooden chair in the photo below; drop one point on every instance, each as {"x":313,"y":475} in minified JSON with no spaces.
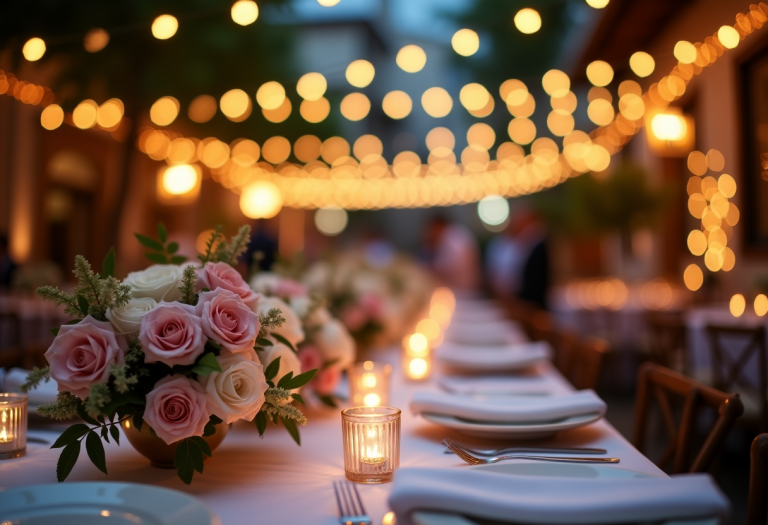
{"x":668,"y":340}
{"x":728,"y":368}
{"x":757,"y":511}
{"x":660,"y":382}
{"x":582,"y":363}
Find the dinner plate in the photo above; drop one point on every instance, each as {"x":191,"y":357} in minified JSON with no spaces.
{"x":439,"y":518}
{"x":507,"y":358}
{"x":93,"y":503}
{"x":511,"y":430}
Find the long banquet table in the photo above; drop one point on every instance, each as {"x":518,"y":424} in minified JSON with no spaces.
{"x":271,"y":480}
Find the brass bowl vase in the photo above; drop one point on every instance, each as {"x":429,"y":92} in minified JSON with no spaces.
{"x":157,"y":451}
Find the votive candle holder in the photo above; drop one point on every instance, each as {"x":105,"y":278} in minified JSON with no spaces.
{"x":13,"y":425}
{"x":371,"y":443}
{"x":369,"y":384}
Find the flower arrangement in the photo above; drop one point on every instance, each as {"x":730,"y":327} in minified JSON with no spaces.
{"x":328,"y":348}
{"x":178,"y":347}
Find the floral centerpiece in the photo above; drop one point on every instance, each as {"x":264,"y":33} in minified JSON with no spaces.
{"x":328,"y":348}
{"x":177,"y":347}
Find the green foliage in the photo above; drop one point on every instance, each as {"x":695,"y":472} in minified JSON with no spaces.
{"x":121,"y":378}
{"x":72,"y":438}
{"x":162,"y":252}
{"x":206,"y":365}
{"x":98,"y":396}
{"x":328,"y":401}
{"x":189,"y":457}
{"x":108,"y":266}
{"x":35,"y":377}
{"x":269,"y":321}
{"x":65,"y":407}
{"x":214,"y":241}
{"x":271,"y":371}
{"x":217,"y":249}
{"x":283,"y":340}
{"x":187,"y":287}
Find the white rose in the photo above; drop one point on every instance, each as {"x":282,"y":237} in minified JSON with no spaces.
{"x":291,"y":328}
{"x":159,"y":281}
{"x":126,"y":319}
{"x":264,"y":282}
{"x":300,"y":304}
{"x":335,"y":343}
{"x":237,"y":392}
{"x":289,"y":361}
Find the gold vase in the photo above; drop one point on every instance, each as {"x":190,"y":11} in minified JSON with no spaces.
{"x":157,"y":451}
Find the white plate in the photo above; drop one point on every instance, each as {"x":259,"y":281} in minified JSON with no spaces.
{"x":511,"y":430}
{"x":97,"y":503}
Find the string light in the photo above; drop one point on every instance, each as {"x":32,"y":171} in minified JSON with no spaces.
{"x":164,"y":111}
{"x":33,"y":49}
{"x":597,"y":4}
{"x":52,"y":117}
{"x":411,"y":58}
{"x":244,"y":12}
{"x":360,"y":73}
{"x":95,"y":40}
{"x":465,"y":42}
{"x":436,"y":102}
{"x":737,"y":305}
{"x":397,"y":104}
{"x":312,"y":86}
{"x":728,"y":36}
{"x":164,"y":27}
{"x":527,"y":21}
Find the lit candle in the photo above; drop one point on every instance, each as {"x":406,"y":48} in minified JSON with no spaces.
{"x":371,"y":443}
{"x":13,"y":425}
{"x":369,"y":384}
{"x":417,"y":368}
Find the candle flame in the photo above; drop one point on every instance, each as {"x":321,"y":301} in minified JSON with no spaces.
{"x":372,"y":400}
{"x":3,"y":435}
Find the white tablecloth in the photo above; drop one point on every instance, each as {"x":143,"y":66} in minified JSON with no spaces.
{"x":271,"y":480}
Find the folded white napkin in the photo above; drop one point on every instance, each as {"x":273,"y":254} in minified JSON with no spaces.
{"x":525,"y":499}
{"x":502,"y":358}
{"x":486,"y":333}
{"x":519,"y":409}
{"x":11,"y":381}
{"x":497,"y":384}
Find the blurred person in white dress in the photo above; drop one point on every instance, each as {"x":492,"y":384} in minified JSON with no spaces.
{"x":453,"y":254}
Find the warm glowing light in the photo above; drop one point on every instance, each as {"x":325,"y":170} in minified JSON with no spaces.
{"x":417,"y":368}
{"x":164,"y":27}
{"x":693,"y":277}
{"x":202,"y":109}
{"x":474,"y":96}
{"x":84,"y":115}
{"x":234,"y":103}
{"x":493,"y":210}
{"x":429,"y":328}
{"x":355,"y":106}
{"x":697,"y":242}
{"x":276,"y":150}
{"x":444,"y":296}
{"x":388,"y":519}
{"x":522,"y":130}
{"x":560,"y":122}
{"x":372,"y":400}
{"x":328,"y":3}
{"x":728,"y":36}
{"x":761,"y":305}
{"x":632,"y":106}
{"x":312,"y":86}
{"x":418,"y":344}
{"x":368,"y":380}
{"x":513,"y":92}
{"x":727,"y":185}
{"x":331,"y":221}
{"x":481,"y":135}
{"x":440,"y":313}
{"x":556,"y":83}
{"x":436,"y":102}
{"x":669,"y":127}
{"x":600,"y":111}
{"x":270,"y":95}
{"x":261,"y":200}
{"x":528,"y":21}
{"x":164,"y":111}
{"x":597,"y":158}
{"x":697,"y":163}
{"x":737,"y":305}
{"x":685,"y":52}
{"x":95,"y":40}
{"x":179,"y":179}
{"x":465,"y":42}
{"x":245,"y":12}
{"x":715,"y":160}
{"x":276,"y":115}
{"x":110,"y":113}
{"x":597,"y":4}
{"x":600,"y":73}
{"x":52,"y":117}
{"x":397,"y":104}
{"x":307,"y":148}
{"x":315,"y":111}
{"x":360,"y":73}
{"x":245,"y":153}
{"x":642,"y":64}
{"x":411,"y":58}
{"x":33,"y":49}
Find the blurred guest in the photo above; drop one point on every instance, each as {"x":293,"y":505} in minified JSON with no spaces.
{"x":533,"y":280}
{"x":504,"y":260}
{"x":262,"y":249}
{"x":7,"y":266}
{"x":453,"y":254}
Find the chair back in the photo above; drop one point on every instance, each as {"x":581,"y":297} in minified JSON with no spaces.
{"x":655,"y":381}
{"x":729,"y":367}
{"x":668,"y":340}
{"x":757,"y":511}
{"x":583,"y":361}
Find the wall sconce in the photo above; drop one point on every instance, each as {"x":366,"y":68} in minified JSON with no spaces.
{"x":670,"y":133}
{"x":179,"y":184}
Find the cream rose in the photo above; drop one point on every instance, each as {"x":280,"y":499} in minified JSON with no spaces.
{"x":289,"y":361}
{"x":335,"y":343}
{"x":237,"y":392}
{"x":264,"y":282}
{"x":126,"y":319}
{"x":159,"y":281}
{"x":291,"y":328}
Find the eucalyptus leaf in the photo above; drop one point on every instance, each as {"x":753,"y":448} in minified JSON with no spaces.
{"x":71,"y":434}
{"x":95,"y":449}
{"x":115,"y":433}
{"x":67,"y":460}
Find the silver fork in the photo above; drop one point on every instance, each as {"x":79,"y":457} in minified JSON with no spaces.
{"x":528,"y":450}
{"x":472,"y":460}
{"x":351,"y":510}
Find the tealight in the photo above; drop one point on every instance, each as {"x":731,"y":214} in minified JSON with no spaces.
{"x":416,"y":368}
{"x":371,"y":443}
{"x":369,"y":384}
{"x":13,"y":425}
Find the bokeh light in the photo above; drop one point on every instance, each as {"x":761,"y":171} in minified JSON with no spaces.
{"x":315,"y":111}
{"x":597,"y":4}
{"x":474,"y":97}
{"x":164,"y":27}
{"x":312,"y":86}
{"x":556,"y":83}
{"x":522,"y":130}
{"x":276,"y":150}
{"x":245,"y":152}
{"x":202,"y":109}
{"x":685,"y":52}
{"x":397,"y":104}
{"x":261,"y":200}
{"x":737,"y":305}
{"x":600,"y":73}
{"x":279,"y":114}
{"x":164,"y":111}
{"x":270,"y":95}
{"x":328,"y":3}
{"x":642,"y":64}
{"x":307,"y":148}
{"x":52,"y":117}
{"x":761,"y":305}
{"x":693,"y":277}
{"x":411,"y":58}
{"x":728,"y":36}
{"x":493,"y":210}
{"x":527,"y":21}
{"x":481,"y":135}
{"x":465,"y":42}
{"x":355,"y":106}
{"x":669,"y":127}
{"x":244,"y":12}
{"x":110,"y":113}
{"x":95,"y":40}
{"x":715,"y":160}
{"x":234,"y":103}
{"x":360,"y":73}
{"x":179,"y":179}
{"x":33,"y":49}
{"x":436,"y":102}
{"x":84,"y":115}
{"x":331,"y":221}
{"x":600,"y":111}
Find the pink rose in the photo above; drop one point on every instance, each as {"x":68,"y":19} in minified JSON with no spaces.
{"x":310,"y":358}
{"x":82,"y":353}
{"x":171,"y":333}
{"x":326,"y":380}
{"x":176,"y":409}
{"x":228,"y":321}
{"x":289,"y":288}
{"x":222,"y":275}
{"x":353,"y":317}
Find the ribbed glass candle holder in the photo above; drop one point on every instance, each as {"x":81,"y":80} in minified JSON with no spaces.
{"x":13,"y":425}
{"x":371,"y":443}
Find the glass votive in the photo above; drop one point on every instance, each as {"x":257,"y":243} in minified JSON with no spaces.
{"x":417,"y":368}
{"x":369,"y":384}
{"x":371,"y":443}
{"x":13,"y":425}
